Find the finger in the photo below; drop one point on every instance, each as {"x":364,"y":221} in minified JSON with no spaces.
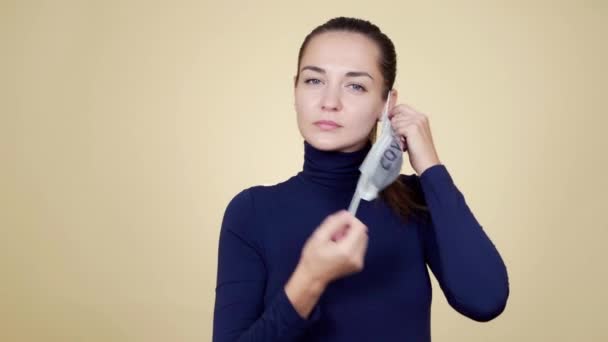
{"x":340,"y":234}
{"x":404,"y":145}
{"x":333,"y":224}
{"x":354,"y":235}
{"x":399,"y":114}
{"x":361,"y":247}
{"x":401,"y":126}
{"x":406,"y":113}
{"x":403,"y":110}
{"x":398,"y":119}
{"x":409,"y":108}
{"x":358,"y":248}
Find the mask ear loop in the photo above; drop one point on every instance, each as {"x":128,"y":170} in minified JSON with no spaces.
{"x":385,"y":121}
{"x":385,"y":110}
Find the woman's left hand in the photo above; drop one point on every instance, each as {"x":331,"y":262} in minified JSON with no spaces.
{"x":415,"y":131}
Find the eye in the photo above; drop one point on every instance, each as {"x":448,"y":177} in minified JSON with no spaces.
{"x":312,"y":81}
{"x":358,"y":87}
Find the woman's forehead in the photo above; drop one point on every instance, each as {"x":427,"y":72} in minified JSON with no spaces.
{"x":342,"y":51}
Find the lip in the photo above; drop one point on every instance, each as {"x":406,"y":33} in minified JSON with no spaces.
{"x":327,"y":125}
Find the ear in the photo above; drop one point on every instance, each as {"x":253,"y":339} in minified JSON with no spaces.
{"x":392,"y":100}
{"x":294,"y":92}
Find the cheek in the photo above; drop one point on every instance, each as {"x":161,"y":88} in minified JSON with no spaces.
{"x":304,"y":105}
{"x":304,"y":98}
{"x":298,"y":108}
{"x":365,"y":121}
{"x":365,"y":117}
{"x":301,"y":112}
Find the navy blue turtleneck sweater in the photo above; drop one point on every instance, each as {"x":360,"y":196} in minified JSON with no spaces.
{"x":265,"y":227}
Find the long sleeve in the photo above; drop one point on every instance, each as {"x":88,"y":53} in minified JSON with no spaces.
{"x":240,"y":313}
{"x":468,"y":267}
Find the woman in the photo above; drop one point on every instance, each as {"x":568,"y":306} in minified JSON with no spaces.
{"x":293,"y":265}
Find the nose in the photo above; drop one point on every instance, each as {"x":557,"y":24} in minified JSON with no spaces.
{"x":331,"y":100}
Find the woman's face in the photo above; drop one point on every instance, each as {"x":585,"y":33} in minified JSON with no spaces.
{"x":338,"y":96}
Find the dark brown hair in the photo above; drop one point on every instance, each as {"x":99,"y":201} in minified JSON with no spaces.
{"x":401,"y":197}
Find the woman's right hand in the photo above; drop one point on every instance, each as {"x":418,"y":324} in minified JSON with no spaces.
{"x":335,"y":249}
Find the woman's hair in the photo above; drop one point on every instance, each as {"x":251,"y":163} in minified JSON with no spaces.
{"x":400,"y":197}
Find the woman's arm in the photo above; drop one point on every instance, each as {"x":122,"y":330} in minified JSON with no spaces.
{"x":240,"y":314}
{"x":303,"y":292}
{"x":464,"y":260}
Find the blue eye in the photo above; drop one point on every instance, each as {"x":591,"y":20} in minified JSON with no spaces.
{"x":308,"y":81}
{"x":358,"y":87}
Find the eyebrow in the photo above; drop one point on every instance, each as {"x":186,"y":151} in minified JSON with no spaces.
{"x":348,"y":74}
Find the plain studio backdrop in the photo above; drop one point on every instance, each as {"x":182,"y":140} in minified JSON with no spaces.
{"x":127,"y":126}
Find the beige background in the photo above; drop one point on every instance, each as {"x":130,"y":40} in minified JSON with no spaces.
{"x":127,"y":126}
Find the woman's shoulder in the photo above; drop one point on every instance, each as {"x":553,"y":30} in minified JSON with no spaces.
{"x":432,"y":174}
{"x":245,"y":210}
{"x":247,"y":198}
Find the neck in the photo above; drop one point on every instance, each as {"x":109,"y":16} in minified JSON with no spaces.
{"x":333,"y":169}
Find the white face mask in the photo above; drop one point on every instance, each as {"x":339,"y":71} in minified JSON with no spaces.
{"x":381,"y":166}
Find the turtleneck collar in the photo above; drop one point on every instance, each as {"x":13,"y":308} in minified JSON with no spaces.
{"x":333,"y":169}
